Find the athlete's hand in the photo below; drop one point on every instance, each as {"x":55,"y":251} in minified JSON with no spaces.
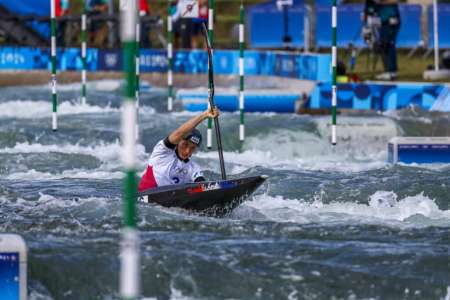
{"x":212,"y":112}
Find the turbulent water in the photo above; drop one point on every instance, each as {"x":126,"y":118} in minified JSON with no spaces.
{"x":330,"y":223}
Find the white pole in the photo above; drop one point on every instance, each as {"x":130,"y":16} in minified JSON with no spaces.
{"x":334,"y":66}
{"x":53,"y":59}
{"x":306,"y":28}
{"x":241,"y":71}
{"x":83,"y":54}
{"x":211,"y":39}
{"x":129,"y":248}
{"x":170,"y":58}
{"x":436,"y":35}
{"x":138,"y":81}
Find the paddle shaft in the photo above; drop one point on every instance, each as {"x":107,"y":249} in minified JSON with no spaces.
{"x":219,"y":144}
{"x":211,"y":102}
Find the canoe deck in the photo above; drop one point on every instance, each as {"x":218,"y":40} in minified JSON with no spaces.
{"x":209,"y":197}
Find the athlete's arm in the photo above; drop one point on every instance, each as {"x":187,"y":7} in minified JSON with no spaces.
{"x":176,"y":136}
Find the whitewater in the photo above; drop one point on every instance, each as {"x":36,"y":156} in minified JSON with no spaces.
{"x":329,"y":223}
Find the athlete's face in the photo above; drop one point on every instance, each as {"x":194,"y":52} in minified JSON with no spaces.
{"x":186,"y":149}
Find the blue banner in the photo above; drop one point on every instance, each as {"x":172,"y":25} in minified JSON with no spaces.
{"x":379,"y":97}
{"x":190,"y":62}
{"x":109,"y":60}
{"x":311,"y":67}
{"x":17,"y":58}
{"x":153,"y":60}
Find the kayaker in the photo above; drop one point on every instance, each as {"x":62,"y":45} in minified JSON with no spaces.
{"x":170,"y":161}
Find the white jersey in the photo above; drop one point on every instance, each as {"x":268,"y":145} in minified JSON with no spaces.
{"x":169,"y":169}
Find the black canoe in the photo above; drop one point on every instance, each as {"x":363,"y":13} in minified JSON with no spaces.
{"x":211,"y":197}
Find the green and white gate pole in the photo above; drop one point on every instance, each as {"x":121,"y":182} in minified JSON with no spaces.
{"x":138,"y":41}
{"x":170,"y":57}
{"x":83,"y":53}
{"x":241,"y":73}
{"x":334,"y":69}
{"x":211,"y":39}
{"x":53,"y":62}
{"x":129,"y":250}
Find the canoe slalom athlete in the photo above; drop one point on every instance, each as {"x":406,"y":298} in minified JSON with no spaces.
{"x":170,"y":161}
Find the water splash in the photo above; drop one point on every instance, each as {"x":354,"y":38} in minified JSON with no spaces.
{"x":42,"y":109}
{"x":382,"y":208}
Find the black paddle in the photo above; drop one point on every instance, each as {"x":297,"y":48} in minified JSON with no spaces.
{"x":211,"y":101}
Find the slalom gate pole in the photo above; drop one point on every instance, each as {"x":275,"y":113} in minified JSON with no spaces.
{"x":53,"y":62}
{"x":211,"y":44}
{"x":169,"y":57}
{"x":129,"y":248}
{"x":83,"y":53}
{"x":241,"y":72}
{"x":334,"y":70}
{"x":211,"y":102}
{"x":137,"y":94}
{"x":436,"y":35}
{"x":307,"y":28}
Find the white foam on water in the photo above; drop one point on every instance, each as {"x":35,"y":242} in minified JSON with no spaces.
{"x":428,"y":166}
{"x":146,"y":110}
{"x":35,"y":295}
{"x":102,"y":151}
{"x":412,"y":115}
{"x":383,"y":207}
{"x":184,"y":113}
{"x":108,"y":154}
{"x":106,"y":85}
{"x":110,"y":85}
{"x":310,"y":151}
{"x":248,"y":158}
{"x":43,"y":109}
{"x":253,"y":158}
{"x":33,"y":175}
{"x":47,"y":208}
{"x":448,"y":293}
{"x":287,"y":149}
{"x":69,"y":108}
{"x":176,"y":294}
{"x":356,"y":127}
{"x":25,"y":109}
{"x":51,"y":201}
{"x":48,"y":202}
